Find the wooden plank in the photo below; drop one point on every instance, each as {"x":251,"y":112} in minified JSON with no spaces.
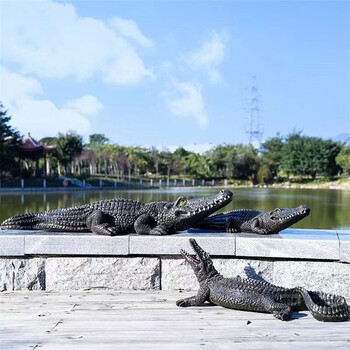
{"x":150,"y":320}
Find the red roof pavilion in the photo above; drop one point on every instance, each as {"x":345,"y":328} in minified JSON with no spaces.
{"x":34,"y":149}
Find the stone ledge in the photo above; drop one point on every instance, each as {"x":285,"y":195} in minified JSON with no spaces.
{"x":288,"y":244}
{"x":23,"y":243}
{"x":217,"y":243}
{"x":344,"y":242}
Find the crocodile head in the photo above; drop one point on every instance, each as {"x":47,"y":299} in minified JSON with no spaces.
{"x":186,"y":211}
{"x":278,"y":219}
{"x":200,"y":262}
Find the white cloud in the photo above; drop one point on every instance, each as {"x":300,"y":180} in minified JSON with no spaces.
{"x":49,"y":39}
{"x":20,"y":95}
{"x":130,"y":29}
{"x":187,"y":102}
{"x":209,"y":56}
{"x":15,"y":87}
{"x":200,"y":148}
{"x":87,"y":105}
{"x":44,"y":118}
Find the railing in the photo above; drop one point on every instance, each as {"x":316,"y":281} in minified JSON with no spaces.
{"x":73,"y":183}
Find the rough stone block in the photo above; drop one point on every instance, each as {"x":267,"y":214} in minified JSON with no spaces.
{"x":177,"y":274}
{"x":92,"y":273}
{"x":331,"y":277}
{"x":17,"y":274}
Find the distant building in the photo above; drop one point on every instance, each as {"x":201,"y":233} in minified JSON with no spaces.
{"x":34,"y":150}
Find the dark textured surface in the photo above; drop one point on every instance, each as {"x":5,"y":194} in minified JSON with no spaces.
{"x":117,"y":216}
{"x":255,"y":221}
{"x":255,"y":294}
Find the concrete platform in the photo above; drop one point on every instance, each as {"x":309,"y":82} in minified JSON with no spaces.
{"x":129,"y":320}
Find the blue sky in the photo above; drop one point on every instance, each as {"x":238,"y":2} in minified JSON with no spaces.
{"x":167,"y":73}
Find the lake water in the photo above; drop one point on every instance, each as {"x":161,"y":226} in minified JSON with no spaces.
{"x":329,"y":208}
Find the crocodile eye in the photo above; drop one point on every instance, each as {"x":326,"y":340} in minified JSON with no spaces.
{"x":182,"y":202}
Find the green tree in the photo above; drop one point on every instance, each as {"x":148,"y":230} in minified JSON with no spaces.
{"x":137,"y":160}
{"x":343,"y":159}
{"x":9,"y":144}
{"x":176,"y":161}
{"x":309,"y":156}
{"x":168,"y":163}
{"x":198,"y":166}
{"x":246,"y":162}
{"x":221,"y":158}
{"x":69,"y":146}
{"x":105,"y":154}
{"x":234,"y":161}
{"x":271,"y":156}
{"x":119,"y":160}
{"x":96,"y":140}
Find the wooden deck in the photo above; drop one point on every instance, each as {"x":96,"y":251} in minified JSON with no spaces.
{"x":150,"y":320}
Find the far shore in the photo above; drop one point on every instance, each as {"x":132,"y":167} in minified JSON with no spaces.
{"x":332,"y":185}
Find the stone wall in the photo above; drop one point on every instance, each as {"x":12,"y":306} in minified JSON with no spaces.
{"x":317,"y":260}
{"x":83,"y":273}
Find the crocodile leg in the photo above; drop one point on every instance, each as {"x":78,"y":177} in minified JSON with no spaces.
{"x":279,"y":310}
{"x":250,"y":273}
{"x":196,"y":300}
{"x":145,"y":224}
{"x":100,"y":223}
{"x":232,"y":227}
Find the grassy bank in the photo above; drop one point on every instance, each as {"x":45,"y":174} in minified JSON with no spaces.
{"x":341,"y":184}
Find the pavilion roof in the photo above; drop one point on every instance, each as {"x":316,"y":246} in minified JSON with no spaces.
{"x":30,"y":145}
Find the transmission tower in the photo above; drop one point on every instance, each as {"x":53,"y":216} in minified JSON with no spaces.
{"x":254,"y":131}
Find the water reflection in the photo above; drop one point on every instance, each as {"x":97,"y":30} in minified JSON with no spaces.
{"x":329,"y":208}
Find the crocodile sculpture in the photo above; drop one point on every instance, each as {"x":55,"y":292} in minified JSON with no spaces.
{"x":256,"y":294}
{"x":255,"y":221}
{"x":116,"y":216}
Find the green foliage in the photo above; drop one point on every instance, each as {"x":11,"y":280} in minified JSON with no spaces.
{"x":234,"y":161}
{"x":295,"y":155}
{"x":343,"y":159}
{"x":69,"y":146}
{"x":220,"y":158}
{"x":180,"y":153}
{"x":196,"y":165}
{"x":271,"y":155}
{"x":168,"y":163}
{"x":264,"y":174}
{"x":96,"y":140}
{"x":246,"y":162}
{"x":9,"y":142}
{"x":309,"y":156}
{"x":48,"y":141}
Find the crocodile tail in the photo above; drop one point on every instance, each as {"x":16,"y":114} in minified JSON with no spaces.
{"x":21,"y":222}
{"x":324,"y":306}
